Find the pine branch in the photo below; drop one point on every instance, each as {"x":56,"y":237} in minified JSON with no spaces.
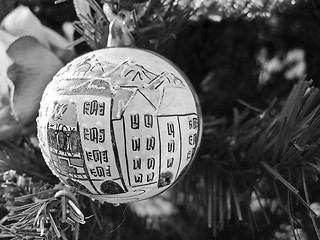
{"x":36,"y":210}
{"x":162,"y":22}
{"x":94,"y":28}
{"x":251,"y":153}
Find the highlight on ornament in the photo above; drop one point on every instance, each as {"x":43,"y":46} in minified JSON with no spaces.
{"x":119,"y":124}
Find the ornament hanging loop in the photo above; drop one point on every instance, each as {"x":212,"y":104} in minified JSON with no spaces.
{"x":122,"y":23}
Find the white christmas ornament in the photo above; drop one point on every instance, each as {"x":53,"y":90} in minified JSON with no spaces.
{"x":119,"y":124}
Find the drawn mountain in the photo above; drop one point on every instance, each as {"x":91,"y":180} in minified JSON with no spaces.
{"x":91,"y":66}
{"x":129,"y":74}
{"x":165,"y":79}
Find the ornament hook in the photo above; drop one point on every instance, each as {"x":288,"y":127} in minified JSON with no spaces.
{"x":122,"y":23}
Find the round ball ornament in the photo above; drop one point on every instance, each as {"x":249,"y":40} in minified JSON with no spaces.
{"x":119,"y":124}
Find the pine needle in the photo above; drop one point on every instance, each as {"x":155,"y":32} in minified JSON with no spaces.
{"x":308,"y":202}
{"x":262,"y":207}
{"x":236,"y":202}
{"x":288,"y":185}
{"x":280,"y":178}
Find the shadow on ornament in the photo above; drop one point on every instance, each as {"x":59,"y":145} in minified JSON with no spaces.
{"x":165,"y":179}
{"x":77,"y":185}
{"x":110,"y":187}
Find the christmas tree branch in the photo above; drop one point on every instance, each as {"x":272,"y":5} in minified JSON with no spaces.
{"x":254,"y":150}
{"x":37,"y":210}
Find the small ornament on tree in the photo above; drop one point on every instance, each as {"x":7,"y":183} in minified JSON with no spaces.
{"x":119,"y":124}
{"x":150,"y":22}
